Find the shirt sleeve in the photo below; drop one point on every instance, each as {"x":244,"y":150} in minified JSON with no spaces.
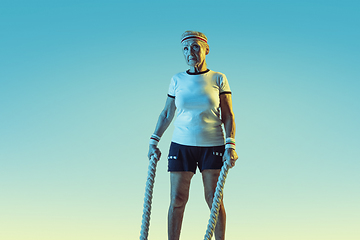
{"x":223,"y":84}
{"x":171,"y":92}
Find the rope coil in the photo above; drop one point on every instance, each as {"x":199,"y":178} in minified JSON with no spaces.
{"x":216,"y":202}
{"x":148,"y":199}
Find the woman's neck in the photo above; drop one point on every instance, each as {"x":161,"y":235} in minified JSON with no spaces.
{"x":199,"y":68}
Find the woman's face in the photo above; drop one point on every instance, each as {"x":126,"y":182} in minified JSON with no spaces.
{"x":194,"y":52}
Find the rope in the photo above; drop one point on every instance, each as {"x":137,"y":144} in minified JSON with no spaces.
{"x":216,"y":202}
{"x":148,"y":199}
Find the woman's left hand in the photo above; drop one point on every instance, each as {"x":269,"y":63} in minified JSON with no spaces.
{"x":230,"y":156}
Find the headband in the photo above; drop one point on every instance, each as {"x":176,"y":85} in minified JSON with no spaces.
{"x":194,"y":36}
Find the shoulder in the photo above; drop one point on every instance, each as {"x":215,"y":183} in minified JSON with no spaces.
{"x":217,"y":74}
{"x":218,"y":77}
{"x":176,"y":79}
{"x":180,"y":75}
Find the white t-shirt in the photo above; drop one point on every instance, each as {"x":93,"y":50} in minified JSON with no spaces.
{"x":197,"y":100}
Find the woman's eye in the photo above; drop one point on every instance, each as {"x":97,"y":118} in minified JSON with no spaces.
{"x":185,"y":48}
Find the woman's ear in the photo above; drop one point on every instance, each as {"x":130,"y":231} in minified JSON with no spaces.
{"x":207,"y":50}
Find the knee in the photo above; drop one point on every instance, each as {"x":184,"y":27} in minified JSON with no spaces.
{"x":209,"y":198}
{"x":178,"y":200}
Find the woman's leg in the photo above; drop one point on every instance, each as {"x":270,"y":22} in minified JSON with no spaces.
{"x":210,"y":178}
{"x":179,"y":194}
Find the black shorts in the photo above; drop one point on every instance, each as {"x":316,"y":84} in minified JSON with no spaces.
{"x":187,"y":158}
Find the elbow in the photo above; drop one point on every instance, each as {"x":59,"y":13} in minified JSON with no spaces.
{"x":228,"y":118}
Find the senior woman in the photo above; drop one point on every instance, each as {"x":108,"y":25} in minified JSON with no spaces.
{"x":202,"y":98}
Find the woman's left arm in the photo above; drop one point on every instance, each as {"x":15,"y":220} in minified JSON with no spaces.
{"x":228,"y":118}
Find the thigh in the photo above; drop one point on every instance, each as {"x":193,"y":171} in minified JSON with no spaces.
{"x":180,"y":184}
{"x":210,"y":178}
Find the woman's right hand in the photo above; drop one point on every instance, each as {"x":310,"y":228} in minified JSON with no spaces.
{"x":154,"y":151}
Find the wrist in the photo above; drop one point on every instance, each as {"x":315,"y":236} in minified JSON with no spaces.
{"x":230,"y":143}
{"x":154,"y":140}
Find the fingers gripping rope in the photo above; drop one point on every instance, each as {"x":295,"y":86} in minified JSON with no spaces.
{"x":148,"y":199}
{"x":216,"y":202}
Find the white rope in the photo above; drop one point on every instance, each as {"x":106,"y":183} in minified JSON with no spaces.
{"x":148,"y":199}
{"x":216,"y":202}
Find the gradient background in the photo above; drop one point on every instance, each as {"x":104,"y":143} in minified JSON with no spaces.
{"x":82,"y":84}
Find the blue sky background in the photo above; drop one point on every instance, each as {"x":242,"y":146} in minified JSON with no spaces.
{"x":83,"y":82}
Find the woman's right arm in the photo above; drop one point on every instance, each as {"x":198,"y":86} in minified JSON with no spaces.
{"x":165,"y":118}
